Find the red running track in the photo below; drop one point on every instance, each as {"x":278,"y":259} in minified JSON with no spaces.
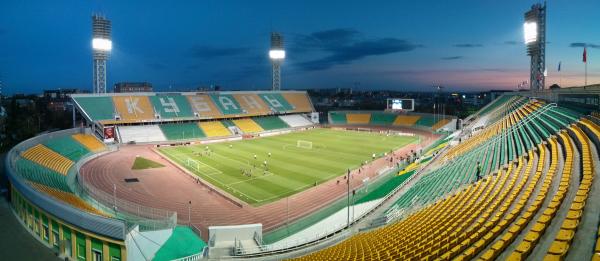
{"x":170,"y":188}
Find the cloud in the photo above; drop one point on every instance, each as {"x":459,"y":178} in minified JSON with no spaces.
{"x":211,"y":52}
{"x":452,"y":57}
{"x":468,"y":45}
{"x":343,"y":46}
{"x":590,"y":45}
{"x":513,"y":42}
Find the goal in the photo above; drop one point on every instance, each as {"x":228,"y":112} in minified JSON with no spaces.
{"x":193,"y":164}
{"x":304,"y":144}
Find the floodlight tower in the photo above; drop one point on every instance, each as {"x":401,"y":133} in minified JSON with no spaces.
{"x":277,"y":55}
{"x":101,"y":47}
{"x":535,"y":39}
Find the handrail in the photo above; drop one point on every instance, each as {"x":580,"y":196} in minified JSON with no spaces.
{"x":498,"y":138}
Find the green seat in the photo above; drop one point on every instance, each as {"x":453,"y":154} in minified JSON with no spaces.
{"x":171,"y":106}
{"x":182,"y":131}
{"x":276,"y":101}
{"x":39,"y":174}
{"x":337,"y":117}
{"x":97,"y":108}
{"x":271,"y":123}
{"x":67,"y":147}
{"x":380,"y":118}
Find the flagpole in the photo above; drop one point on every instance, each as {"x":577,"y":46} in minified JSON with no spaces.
{"x":586,"y":73}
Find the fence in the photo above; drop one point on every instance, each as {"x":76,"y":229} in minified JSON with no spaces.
{"x":325,"y":235}
{"x":148,"y":218}
{"x":132,"y":213}
{"x":109,"y":227}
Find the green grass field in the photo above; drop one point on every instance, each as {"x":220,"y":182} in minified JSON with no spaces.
{"x":143,"y":163}
{"x":290,"y":169}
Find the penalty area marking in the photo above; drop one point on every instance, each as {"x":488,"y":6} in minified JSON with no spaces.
{"x":183,"y":156}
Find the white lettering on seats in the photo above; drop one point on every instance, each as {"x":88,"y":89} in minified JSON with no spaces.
{"x":226,"y":103}
{"x":274,"y":102}
{"x":251,"y":102}
{"x":132,"y":105}
{"x":199,"y":104}
{"x":169,"y":105}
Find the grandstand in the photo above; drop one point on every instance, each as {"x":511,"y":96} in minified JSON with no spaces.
{"x":531,"y":203}
{"x":419,"y":195}
{"x":162,"y":117}
{"x":379,"y":118}
{"x":214,"y":129}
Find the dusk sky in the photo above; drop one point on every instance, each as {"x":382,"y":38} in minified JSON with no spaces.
{"x":397,"y":45}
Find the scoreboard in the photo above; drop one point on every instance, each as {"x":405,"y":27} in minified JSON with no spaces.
{"x":396,"y":104}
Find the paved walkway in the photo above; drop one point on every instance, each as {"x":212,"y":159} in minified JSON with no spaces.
{"x":16,"y":243}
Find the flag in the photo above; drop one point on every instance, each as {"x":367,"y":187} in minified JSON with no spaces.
{"x":584,"y":55}
{"x":546,"y":72}
{"x":559,"y":66}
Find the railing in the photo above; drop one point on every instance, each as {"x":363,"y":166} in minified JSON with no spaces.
{"x":391,"y":216}
{"x":291,"y":245}
{"x":109,"y":227}
{"x":148,"y":218}
{"x":193,"y":257}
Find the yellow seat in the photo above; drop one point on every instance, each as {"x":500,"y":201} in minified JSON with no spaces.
{"x":538,"y":227}
{"x":515,"y":256}
{"x":559,"y":248}
{"x":565,"y":235}
{"x":532,"y":236}
{"x":570,"y":224}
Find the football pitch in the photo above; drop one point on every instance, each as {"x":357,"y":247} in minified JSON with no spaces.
{"x":294,"y":161}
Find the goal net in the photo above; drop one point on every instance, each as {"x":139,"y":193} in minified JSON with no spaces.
{"x":304,"y":144}
{"x":193,"y":164}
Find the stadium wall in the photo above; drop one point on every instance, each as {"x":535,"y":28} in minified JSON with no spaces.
{"x":58,"y":225}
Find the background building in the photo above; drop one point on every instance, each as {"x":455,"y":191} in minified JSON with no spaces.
{"x":133,"y":87}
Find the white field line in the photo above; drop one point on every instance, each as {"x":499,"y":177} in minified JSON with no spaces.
{"x":216,"y":180}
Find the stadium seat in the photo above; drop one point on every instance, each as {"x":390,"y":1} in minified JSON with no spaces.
{"x":276,"y":102}
{"x":295,"y":120}
{"x":97,"y":108}
{"x":37,"y":173}
{"x":140,"y":133}
{"x":299,"y":101}
{"x":46,"y":157}
{"x":337,"y":117}
{"x":358,"y":118}
{"x":252,"y":104}
{"x":226,"y":104}
{"x":214,"y":129}
{"x":271,"y":122}
{"x":90,"y":142}
{"x":181,"y":131}
{"x":133,"y":108}
{"x":381,"y":118}
{"x":406,"y":120}
{"x":247,"y":125}
{"x":203,"y":106}
{"x":440,"y":124}
{"x":171,"y":106}
{"x":67,"y":198}
{"x":67,"y":147}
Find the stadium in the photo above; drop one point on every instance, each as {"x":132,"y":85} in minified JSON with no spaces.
{"x":254,"y":175}
{"x":267,"y":175}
